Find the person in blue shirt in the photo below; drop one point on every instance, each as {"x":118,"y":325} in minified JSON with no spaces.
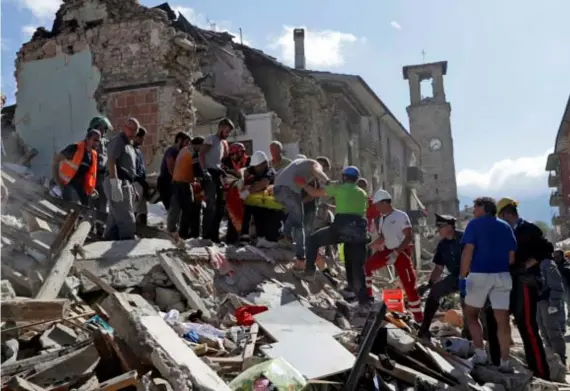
{"x":489,"y":250}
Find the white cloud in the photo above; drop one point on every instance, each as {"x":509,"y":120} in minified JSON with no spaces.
{"x":203,"y":22}
{"x":323,"y":49}
{"x":523,"y":176}
{"x":396,"y":25}
{"x":4,"y":44}
{"x":28,"y":31}
{"x":42,"y":9}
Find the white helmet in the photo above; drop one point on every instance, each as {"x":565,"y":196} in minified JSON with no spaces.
{"x":258,"y":158}
{"x":381,"y":195}
{"x":300,"y":156}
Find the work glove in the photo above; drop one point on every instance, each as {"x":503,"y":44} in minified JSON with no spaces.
{"x":116,"y":190}
{"x":94,"y":195}
{"x":462,"y":286}
{"x":392,"y":258}
{"x":243,"y":195}
{"x":552,"y":310}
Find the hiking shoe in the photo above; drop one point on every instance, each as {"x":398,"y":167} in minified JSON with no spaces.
{"x":506,"y":367}
{"x":308,"y":276}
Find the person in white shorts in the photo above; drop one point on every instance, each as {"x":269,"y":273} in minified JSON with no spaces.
{"x":490,"y":247}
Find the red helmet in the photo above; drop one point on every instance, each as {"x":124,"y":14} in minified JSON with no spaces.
{"x":237,"y":147}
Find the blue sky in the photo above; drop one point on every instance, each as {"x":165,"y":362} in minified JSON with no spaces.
{"x":508,"y":65}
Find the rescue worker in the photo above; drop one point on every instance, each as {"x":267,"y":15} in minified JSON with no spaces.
{"x":564,"y":269}
{"x":140,"y":184}
{"x":213,"y":150}
{"x":447,"y":256}
{"x":278,"y":161}
{"x":348,"y":227}
{"x":182,"y":200}
{"x":197,"y":189}
{"x":118,"y":185}
{"x":236,"y":159}
{"x":75,"y":169}
{"x":288,"y":193}
{"x":532,"y":247}
{"x":551,"y":309}
{"x":103,"y":125}
{"x":394,"y":247}
{"x":164,"y":180}
{"x":267,"y":221}
{"x":489,"y":249}
{"x":232,"y":165}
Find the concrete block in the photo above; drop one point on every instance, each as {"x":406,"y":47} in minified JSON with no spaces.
{"x":165,"y":298}
{"x":58,"y":336}
{"x":6,"y":290}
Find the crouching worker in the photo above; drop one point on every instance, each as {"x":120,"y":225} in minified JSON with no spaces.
{"x":349,"y":227}
{"x":448,"y":256}
{"x":394,"y":247}
{"x":75,"y":169}
{"x":551,"y":309}
{"x":259,"y":203}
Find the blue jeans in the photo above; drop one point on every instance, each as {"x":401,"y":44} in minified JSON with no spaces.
{"x":295,"y":221}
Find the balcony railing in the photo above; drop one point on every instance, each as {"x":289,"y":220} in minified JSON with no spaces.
{"x":552,"y":162}
{"x":556,"y":198}
{"x":554,"y":179}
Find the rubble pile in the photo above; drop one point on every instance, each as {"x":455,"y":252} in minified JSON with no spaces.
{"x":80,"y":313}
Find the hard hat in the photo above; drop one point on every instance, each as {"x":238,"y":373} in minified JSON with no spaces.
{"x":299,"y":156}
{"x":97,"y":122}
{"x":258,"y":157}
{"x":504,"y":202}
{"x":237,"y":147}
{"x":381,"y":195}
{"x":351,"y":171}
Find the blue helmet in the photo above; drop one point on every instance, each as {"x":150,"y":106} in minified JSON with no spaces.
{"x":352,"y":172}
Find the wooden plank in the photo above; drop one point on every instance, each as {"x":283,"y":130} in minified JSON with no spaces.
{"x":98,"y":281}
{"x":180,"y":275}
{"x":19,"y":384}
{"x":27,"y":310}
{"x":63,"y":263}
{"x":250,"y":347}
{"x":119,"y":382}
{"x":64,"y":233}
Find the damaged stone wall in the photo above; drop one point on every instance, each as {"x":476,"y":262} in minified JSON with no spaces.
{"x":142,"y":66}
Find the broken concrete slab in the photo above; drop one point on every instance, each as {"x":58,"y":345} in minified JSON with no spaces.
{"x":58,"y":336}
{"x":6,"y":290}
{"x":156,"y":343}
{"x":165,"y":298}
{"x":28,"y":310}
{"x":19,"y":384}
{"x":121,"y":264}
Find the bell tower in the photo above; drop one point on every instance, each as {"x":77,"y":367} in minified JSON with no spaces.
{"x":430,"y":124}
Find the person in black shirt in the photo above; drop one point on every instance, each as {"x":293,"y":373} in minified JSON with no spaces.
{"x":258,"y":177}
{"x":447,"y":256}
{"x":164,"y":180}
{"x":140,"y":184}
{"x":532,"y":248}
{"x":564,"y":268}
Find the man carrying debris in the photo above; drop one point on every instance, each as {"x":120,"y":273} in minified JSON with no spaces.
{"x":178,"y":221}
{"x":103,"y":125}
{"x":394,"y":247}
{"x":214,"y":149}
{"x":288,"y":193}
{"x":121,"y":171}
{"x":532,"y":247}
{"x":447,"y":255}
{"x":551,"y":309}
{"x":489,"y":249}
{"x":141,"y":185}
{"x":164,"y":180}
{"x":564,"y":268}
{"x":75,"y":169}
{"x":278,"y":161}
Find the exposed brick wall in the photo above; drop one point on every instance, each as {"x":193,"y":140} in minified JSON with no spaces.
{"x":141,"y":104}
{"x":565,"y":176}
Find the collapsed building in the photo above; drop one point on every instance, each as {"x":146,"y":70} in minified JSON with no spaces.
{"x":122,"y":59}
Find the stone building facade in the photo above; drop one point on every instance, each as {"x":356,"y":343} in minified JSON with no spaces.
{"x":430,"y":125}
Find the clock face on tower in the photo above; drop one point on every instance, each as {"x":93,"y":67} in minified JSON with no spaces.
{"x":434,"y":144}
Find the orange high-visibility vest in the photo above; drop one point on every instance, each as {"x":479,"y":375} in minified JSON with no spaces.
{"x":68,"y":168}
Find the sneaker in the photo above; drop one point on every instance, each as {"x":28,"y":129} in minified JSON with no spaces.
{"x":480,"y":357}
{"x":506,"y":367}
{"x":308,"y":276}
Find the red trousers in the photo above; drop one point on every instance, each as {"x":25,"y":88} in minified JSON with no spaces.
{"x":405,"y":270}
